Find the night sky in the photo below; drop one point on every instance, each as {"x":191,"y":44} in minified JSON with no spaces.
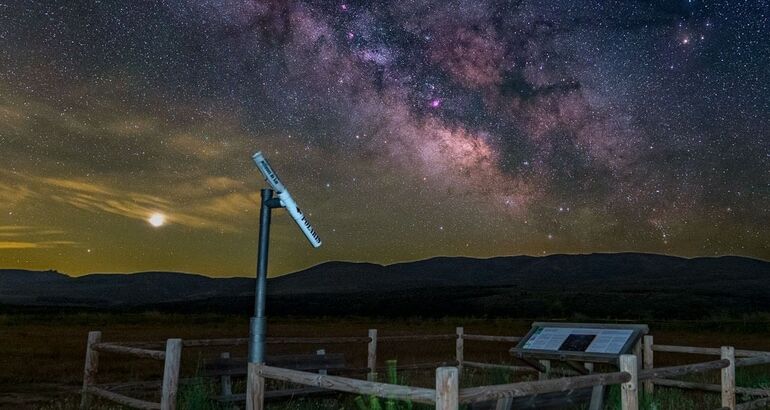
{"x":404,"y":130}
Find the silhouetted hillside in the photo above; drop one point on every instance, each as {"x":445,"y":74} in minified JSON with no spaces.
{"x":598,"y":285}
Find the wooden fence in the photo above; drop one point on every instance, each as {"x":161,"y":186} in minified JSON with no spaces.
{"x":446,"y":395}
{"x":171,"y":358}
{"x":727,"y":387}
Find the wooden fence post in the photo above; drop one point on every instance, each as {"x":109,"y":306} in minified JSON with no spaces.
{"x":629,"y":394}
{"x":91,"y":368}
{"x":371,"y":358}
{"x":728,"y":378}
{"x":649,"y":386}
{"x":638,"y":354}
{"x":459,"y":346}
{"x":447,"y":388}
{"x":226,"y":382}
{"x":321,"y":352}
{"x":547,"y":373}
{"x":255,"y":388}
{"x":171,"y":374}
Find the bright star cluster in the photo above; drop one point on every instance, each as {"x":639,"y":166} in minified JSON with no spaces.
{"x":405,"y":129}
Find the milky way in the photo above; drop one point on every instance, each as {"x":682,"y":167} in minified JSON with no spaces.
{"x":406,"y":129}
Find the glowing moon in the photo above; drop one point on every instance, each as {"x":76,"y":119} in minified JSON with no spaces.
{"x":157,"y":220}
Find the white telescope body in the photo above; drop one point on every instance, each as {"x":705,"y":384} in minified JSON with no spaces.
{"x":286,"y":200}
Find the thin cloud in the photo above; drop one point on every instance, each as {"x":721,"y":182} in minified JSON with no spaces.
{"x":35,"y":245}
{"x":99,"y":197}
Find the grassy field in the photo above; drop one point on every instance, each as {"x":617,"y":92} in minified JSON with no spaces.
{"x":41,"y":355}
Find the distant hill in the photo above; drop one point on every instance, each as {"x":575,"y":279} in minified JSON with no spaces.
{"x":605,"y":285}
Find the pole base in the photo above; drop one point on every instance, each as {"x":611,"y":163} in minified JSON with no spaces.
{"x":257,"y":332}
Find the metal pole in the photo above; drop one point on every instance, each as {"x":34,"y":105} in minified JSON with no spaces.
{"x":258,"y":323}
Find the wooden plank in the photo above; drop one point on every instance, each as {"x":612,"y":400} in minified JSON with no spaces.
{"x":459,"y":347}
{"x":563,"y":355}
{"x":752,"y":361}
{"x":648,"y":361}
{"x":577,"y":367}
{"x":715,"y":388}
{"x":416,"y":338}
{"x":489,"y":338}
{"x":753,"y":405}
{"x":315,"y":362}
{"x":674,"y":371}
{"x":365,"y":370}
{"x":400,"y":367}
{"x":558,"y":371}
{"x":504,"y":403}
{"x":406,"y":393}
{"x":241,"y":341}
{"x":124,"y":400}
{"x":638,"y":353}
{"x":545,"y":373}
{"x":597,"y":398}
{"x":225,"y":382}
{"x":135,"y":385}
{"x":709,"y":351}
{"x":255,"y":388}
{"x":728,"y":378}
{"x":277,"y":340}
{"x":447,"y":382}
{"x":275,"y":394}
{"x":316,"y":340}
{"x":629,"y":394}
{"x":133,"y":351}
{"x":495,"y":392}
{"x":574,"y":399}
{"x":680,"y":384}
{"x":419,"y":366}
{"x":322,"y":352}
{"x":91,"y":368}
{"x":499,"y":366}
{"x":170,"y":384}
{"x":537,"y":365}
{"x":371,"y":355}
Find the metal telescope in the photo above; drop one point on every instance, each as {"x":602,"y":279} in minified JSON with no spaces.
{"x":286,"y":200}
{"x":258,"y":325}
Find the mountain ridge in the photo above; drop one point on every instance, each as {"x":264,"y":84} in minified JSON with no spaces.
{"x":496,"y":285}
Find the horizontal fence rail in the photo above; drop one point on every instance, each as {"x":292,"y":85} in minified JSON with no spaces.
{"x":122,"y":399}
{"x":716,"y":388}
{"x":754,"y":405}
{"x":344,"y":384}
{"x":498,"y":366}
{"x":494,"y":392}
{"x":318,"y":340}
{"x":416,"y":338}
{"x":489,"y":338}
{"x":752,"y":361}
{"x":133,"y":351}
{"x":707,"y":351}
{"x":675,"y":371}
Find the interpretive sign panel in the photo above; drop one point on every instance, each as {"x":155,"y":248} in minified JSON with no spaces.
{"x":589,"y":342}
